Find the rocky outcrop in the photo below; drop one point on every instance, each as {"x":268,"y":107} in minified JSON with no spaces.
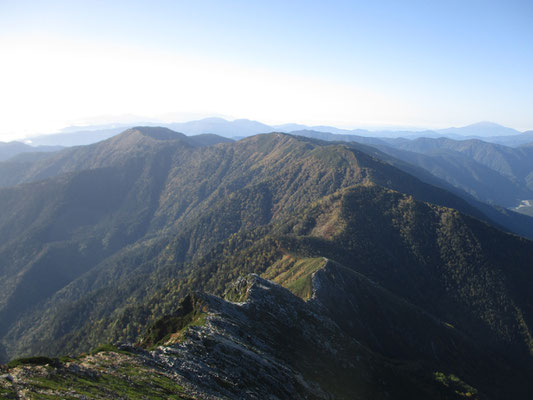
{"x":351,"y":340}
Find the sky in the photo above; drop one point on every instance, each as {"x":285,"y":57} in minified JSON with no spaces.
{"x":431,"y":64}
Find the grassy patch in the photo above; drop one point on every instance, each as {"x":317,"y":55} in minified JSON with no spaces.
{"x":131,"y":382}
{"x":295,"y":274}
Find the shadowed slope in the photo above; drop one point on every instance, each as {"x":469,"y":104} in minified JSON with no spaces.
{"x":191,"y":218}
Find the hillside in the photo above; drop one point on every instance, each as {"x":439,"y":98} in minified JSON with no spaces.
{"x":489,"y":172}
{"x":135,"y":142}
{"x":122,"y":230}
{"x":513,"y":162}
{"x":12,"y":149}
{"x":262,"y":340}
{"x":513,"y":140}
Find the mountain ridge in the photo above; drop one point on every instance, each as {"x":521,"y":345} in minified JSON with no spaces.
{"x":491,"y":172}
{"x":481,"y":129}
{"x":243,"y":127}
{"x":208,"y":328}
{"x":180,"y":218}
{"x":9,"y":150}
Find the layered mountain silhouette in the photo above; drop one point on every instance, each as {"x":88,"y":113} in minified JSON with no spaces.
{"x":239,"y":128}
{"x":490,"y":172}
{"x":481,"y":129}
{"x":368,"y":280}
{"x":11,"y":149}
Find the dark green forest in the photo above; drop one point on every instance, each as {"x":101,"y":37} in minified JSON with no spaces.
{"x":102,"y":243}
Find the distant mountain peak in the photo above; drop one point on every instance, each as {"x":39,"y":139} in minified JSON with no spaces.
{"x":485,"y":124}
{"x":211,"y":119}
{"x":141,"y":137}
{"x":481,"y":129}
{"x":156,"y":132}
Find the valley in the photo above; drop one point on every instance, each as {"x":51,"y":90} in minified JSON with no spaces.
{"x":105,"y":245}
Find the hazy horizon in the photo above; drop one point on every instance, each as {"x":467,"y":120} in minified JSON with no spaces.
{"x":345,"y":64}
{"x":256,"y":200}
{"x":119,"y":122}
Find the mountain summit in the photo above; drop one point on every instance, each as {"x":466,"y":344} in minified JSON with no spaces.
{"x":366,"y":281}
{"x":481,"y":129}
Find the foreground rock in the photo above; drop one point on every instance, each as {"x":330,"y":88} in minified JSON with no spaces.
{"x":268,"y":343}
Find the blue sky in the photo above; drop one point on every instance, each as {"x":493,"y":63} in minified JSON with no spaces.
{"x":349,"y":63}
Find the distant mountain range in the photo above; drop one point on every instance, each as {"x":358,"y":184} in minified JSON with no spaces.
{"x":92,"y":134}
{"x":492,"y":173}
{"x":300,"y":267}
{"x":243,"y":127}
{"x":477,"y":159}
{"x":12,"y":149}
{"x":481,"y":129}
